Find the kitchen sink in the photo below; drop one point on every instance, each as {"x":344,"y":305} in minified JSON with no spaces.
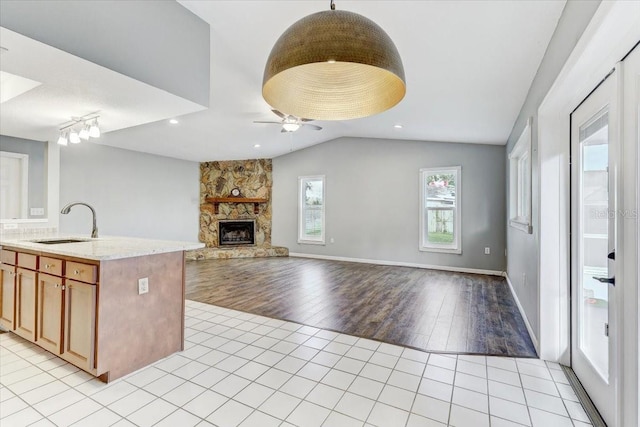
{"x":59,"y":241}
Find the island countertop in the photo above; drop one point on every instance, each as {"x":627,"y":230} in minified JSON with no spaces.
{"x":99,"y":249}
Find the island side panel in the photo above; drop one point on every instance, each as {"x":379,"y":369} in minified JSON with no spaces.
{"x":136,"y":330}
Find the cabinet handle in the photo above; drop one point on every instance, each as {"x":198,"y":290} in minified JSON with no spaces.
{"x":48,"y":266}
{"x":63,"y":288}
{"x":76,"y":272}
{"x":11,"y":273}
{"x":56,"y":286}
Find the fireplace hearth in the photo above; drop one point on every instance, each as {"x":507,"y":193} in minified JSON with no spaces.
{"x":236,"y":232}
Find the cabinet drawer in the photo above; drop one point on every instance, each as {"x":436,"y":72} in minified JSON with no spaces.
{"x":28,"y":261}
{"x":51,"y":266}
{"x":8,"y":257}
{"x":83,"y":272}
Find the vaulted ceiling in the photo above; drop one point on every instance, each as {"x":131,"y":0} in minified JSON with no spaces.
{"x":468,"y":65}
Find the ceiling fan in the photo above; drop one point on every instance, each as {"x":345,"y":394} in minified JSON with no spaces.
{"x":290,"y":123}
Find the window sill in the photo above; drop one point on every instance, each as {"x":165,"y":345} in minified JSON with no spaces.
{"x":311,"y":242}
{"x":441,"y":250}
{"x":521,"y":225}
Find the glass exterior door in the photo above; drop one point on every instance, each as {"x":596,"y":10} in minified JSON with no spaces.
{"x":593,"y":222}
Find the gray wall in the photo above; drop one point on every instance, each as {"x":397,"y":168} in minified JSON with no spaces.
{"x":372,"y":199}
{"x":157,"y":42}
{"x":522,"y":248}
{"x":37,"y":170}
{"x":134,"y":194}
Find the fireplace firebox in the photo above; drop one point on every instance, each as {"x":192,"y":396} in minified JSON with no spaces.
{"x":236,"y":232}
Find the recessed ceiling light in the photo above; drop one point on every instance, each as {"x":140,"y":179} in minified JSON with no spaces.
{"x":397,"y":126}
{"x":256,"y":146}
{"x":173,"y":121}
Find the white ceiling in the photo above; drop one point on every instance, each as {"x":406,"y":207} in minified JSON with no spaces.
{"x":468,"y":65}
{"x":65,"y":86}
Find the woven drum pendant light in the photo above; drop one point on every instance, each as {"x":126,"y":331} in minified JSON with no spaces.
{"x":333,"y":65}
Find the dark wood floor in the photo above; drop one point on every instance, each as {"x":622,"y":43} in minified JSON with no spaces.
{"x":425,"y":309}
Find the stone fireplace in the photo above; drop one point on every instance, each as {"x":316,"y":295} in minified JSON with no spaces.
{"x":232,"y":225}
{"x":236,"y":232}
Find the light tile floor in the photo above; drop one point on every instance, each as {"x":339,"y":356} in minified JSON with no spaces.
{"x":247,"y":370}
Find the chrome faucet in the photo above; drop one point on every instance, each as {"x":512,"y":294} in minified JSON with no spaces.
{"x":66,"y":209}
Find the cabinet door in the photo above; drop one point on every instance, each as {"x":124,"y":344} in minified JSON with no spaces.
{"x":26,"y":304}
{"x":79,"y":323}
{"x":7,"y":296}
{"x":50,"y":313}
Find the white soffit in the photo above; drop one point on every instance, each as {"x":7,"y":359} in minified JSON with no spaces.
{"x":72,"y":86}
{"x":12,"y":86}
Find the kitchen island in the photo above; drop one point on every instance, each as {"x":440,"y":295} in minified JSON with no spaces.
{"x":109,"y":305}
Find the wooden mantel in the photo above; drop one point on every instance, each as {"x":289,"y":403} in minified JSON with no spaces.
{"x":217,"y":200}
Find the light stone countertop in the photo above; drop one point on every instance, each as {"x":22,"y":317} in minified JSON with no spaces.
{"x":99,"y":249}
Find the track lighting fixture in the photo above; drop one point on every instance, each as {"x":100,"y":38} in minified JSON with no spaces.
{"x":63,"y":140}
{"x":78,"y":129}
{"x":74,"y":138}
{"x":94,"y":130}
{"x":84,"y":132}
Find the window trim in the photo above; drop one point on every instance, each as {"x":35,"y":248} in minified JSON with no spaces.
{"x":456,"y":247}
{"x":520,"y":182}
{"x":301,"y":239}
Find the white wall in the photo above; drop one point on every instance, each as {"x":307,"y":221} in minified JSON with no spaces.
{"x":522,"y":248}
{"x":372,"y":199}
{"x":134,"y":194}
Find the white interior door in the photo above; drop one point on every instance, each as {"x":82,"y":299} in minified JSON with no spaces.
{"x":13,"y":185}
{"x":594,"y":166}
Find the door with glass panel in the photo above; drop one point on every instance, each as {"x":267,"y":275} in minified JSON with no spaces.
{"x":594,"y":165}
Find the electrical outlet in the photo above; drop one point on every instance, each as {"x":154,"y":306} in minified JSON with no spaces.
{"x":143,"y":285}
{"x":37,"y":211}
{"x":487,"y":250}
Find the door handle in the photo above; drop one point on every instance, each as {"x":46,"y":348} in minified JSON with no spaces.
{"x":611,"y":280}
{"x":612,"y":255}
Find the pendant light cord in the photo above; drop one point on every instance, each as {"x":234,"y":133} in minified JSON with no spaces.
{"x":332,"y":5}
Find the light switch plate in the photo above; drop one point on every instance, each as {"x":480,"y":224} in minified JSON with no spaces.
{"x":143,"y":285}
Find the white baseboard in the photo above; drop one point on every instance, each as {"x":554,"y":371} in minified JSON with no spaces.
{"x":399,"y":264}
{"x":532,"y":335}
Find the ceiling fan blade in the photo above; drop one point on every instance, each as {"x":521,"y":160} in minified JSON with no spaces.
{"x":263,"y":121}
{"x":314,"y":127}
{"x":279,"y":114}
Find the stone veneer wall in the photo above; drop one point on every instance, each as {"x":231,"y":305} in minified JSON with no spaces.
{"x":217,"y":179}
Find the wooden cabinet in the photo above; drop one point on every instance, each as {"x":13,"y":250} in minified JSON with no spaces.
{"x":7,"y":296}
{"x":79,"y":323}
{"x":89,"y":312}
{"x":25,"y":324}
{"x":50,"y":313}
{"x":67,"y":311}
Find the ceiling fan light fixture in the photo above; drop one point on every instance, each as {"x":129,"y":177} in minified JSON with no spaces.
{"x":290,"y":127}
{"x":334,"y":65}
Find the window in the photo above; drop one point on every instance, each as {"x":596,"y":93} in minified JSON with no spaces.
{"x":520,"y":182}
{"x":311,"y":210}
{"x":440,"y":216}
